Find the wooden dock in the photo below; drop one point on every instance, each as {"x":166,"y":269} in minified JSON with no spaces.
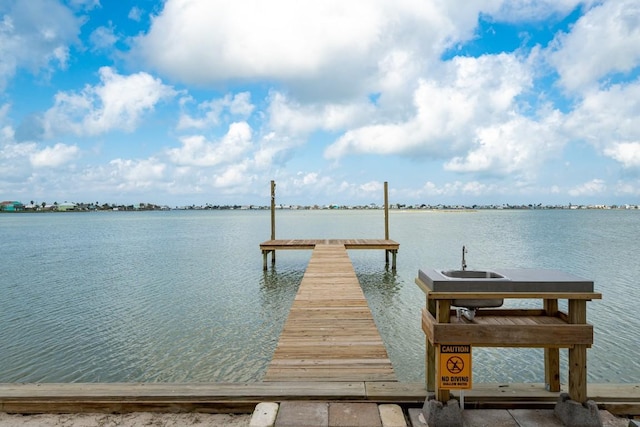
{"x":271,"y":246}
{"x":330,"y":334}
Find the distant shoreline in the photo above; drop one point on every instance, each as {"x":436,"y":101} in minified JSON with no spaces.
{"x":402,"y":208}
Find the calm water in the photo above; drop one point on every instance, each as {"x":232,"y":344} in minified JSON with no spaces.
{"x":181,"y":296}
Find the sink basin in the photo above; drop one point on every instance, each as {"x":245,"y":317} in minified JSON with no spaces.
{"x":477,"y":303}
{"x":476,"y":275}
{"x":472,"y":274}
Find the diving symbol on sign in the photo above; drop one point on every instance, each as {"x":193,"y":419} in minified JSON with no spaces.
{"x":455,"y":365}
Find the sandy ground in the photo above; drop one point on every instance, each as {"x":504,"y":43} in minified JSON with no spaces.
{"x":137,"y":419}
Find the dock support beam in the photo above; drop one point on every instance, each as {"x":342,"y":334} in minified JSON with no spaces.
{"x":273,"y":228}
{"x":386,"y":230}
{"x":393,"y":253}
{"x":386,"y":210}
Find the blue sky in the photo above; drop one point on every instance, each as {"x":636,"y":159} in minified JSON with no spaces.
{"x":185,"y":102}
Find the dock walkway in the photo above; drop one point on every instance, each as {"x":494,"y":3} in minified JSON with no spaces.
{"x":330,"y":334}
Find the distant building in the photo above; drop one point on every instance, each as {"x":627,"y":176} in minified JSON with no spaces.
{"x":11,"y":206}
{"x":66,"y":207}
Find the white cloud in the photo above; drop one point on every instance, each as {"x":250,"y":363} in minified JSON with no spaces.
{"x":118,"y":102}
{"x":528,"y":10}
{"x":306,"y":179}
{"x":35,"y":35}
{"x":197,"y":151}
{"x":608,"y":120}
{"x":455,"y":189}
{"x":135,"y":14}
{"x":325,"y":49}
{"x":594,"y":187}
{"x":603,"y":41}
{"x":471,"y":94}
{"x":289,"y":117}
{"x":103,"y":38}
{"x":518,"y":147}
{"x":234,"y":176}
{"x":55,"y":156}
{"x":627,"y":153}
{"x":238,"y":106}
{"x":137,"y":173}
{"x":329,"y":49}
{"x":274,"y":150}
{"x":631,"y":188}
{"x":253,"y":38}
{"x":14,"y":160}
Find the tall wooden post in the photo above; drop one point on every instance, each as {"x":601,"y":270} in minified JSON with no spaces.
{"x":273,"y":219}
{"x":386,"y":211}
{"x":273,"y":210}
{"x":386,"y":226}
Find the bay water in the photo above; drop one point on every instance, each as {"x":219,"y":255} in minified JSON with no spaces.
{"x":180,"y":296}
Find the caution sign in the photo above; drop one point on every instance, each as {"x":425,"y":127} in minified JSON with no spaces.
{"x":455,"y":366}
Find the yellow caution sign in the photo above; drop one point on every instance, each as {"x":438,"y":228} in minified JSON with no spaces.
{"x":455,"y":366}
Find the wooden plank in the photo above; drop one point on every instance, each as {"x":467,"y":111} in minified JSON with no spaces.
{"x":260,"y":391}
{"x":620,"y":399}
{"x":302,"y":244}
{"x":330,"y":333}
{"x":181,"y":391}
{"x":483,"y":332}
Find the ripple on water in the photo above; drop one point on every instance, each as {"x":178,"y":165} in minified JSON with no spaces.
{"x":181,"y":296}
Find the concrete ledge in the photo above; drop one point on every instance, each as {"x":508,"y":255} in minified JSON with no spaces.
{"x":392,"y":415}
{"x":264,"y":415}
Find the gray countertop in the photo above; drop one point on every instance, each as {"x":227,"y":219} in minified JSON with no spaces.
{"x":513,"y":280}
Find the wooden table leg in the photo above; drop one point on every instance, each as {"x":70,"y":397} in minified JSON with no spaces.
{"x":442,"y":316}
{"x":578,"y":354}
{"x":430,"y":364}
{"x":430,"y":356}
{"x":552,"y":355}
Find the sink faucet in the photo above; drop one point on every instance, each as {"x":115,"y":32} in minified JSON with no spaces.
{"x":464,"y":262}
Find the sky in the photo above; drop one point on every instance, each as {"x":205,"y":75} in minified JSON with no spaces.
{"x":183,"y":102}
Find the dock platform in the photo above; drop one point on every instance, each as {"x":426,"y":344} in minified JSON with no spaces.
{"x":330,"y":334}
{"x":271,"y":246}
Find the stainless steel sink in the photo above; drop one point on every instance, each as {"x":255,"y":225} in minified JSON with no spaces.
{"x":472,"y":274}
{"x":477,"y":303}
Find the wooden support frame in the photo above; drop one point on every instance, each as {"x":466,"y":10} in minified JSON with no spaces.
{"x":548,"y":328}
